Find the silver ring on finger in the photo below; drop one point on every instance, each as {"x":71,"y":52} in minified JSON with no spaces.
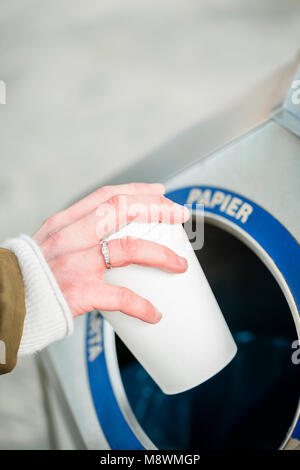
{"x":105,"y":253}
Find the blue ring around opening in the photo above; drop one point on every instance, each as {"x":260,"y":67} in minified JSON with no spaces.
{"x":273,"y":238}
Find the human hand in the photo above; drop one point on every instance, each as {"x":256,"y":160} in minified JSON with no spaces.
{"x":69,"y":241}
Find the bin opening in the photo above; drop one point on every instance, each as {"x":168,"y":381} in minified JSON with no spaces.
{"x":252,"y":402}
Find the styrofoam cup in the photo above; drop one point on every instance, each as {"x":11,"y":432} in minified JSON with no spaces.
{"x":192,"y":342}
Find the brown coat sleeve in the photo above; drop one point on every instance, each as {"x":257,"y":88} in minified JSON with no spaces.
{"x":12,"y":310}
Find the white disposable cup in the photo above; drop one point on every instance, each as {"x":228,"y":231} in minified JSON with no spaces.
{"x":192,"y":341}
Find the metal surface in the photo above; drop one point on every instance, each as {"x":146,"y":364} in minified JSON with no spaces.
{"x":119,"y":391}
{"x":263,"y":165}
{"x":196,"y":143}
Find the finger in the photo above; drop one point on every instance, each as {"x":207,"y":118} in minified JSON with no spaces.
{"x":126,"y":301}
{"x":123,"y":209}
{"x":92,"y":201}
{"x":109,"y":217}
{"x":130,"y":250}
{"x":150,"y":208}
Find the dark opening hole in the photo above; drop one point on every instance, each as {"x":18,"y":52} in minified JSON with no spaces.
{"x":252,"y":402}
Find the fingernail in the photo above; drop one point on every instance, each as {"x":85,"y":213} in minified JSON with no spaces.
{"x":182,"y":261}
{"x":183,"y":211}
{"x":157,"y":316}
{"x":186,"y":213}
{"x":160,"y":187}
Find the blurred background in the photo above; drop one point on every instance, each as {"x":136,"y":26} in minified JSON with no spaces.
{"x":93,"y":86}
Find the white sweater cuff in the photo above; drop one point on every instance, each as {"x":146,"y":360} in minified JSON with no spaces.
{"x":48,"y":317}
